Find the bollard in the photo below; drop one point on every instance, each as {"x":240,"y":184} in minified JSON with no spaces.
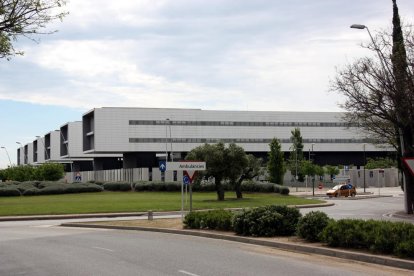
{"x":150,"y":216}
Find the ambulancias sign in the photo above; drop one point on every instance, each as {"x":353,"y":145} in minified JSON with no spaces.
{"x":186,"y":166}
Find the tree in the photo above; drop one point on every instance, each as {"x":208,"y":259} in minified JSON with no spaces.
{"x":25,"y":18}
{"x":50,"y":172}
{"x":331,"y":170}
{"x":215,"y":158}
{"x":380,"y":163}
{"x":379,"y":93}
{"x":296,"y":154}
{"x":223,"y":163}
{"x":276,"y":164}
{"x":250,"y":171}
{"x":237,"y":162}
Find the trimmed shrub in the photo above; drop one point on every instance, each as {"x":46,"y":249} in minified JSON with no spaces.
{"x":31,"y":192}
{"x":27,"y":185}
{"x":260,"y":187}
{"x":284,"y":190}
{"x":82,"y":188}
{"x":52,"y":190}
{"x":117,"y":186}
{"x":214,"y":219}
{"x":405,"y":249}
{"x":267,"y":221}
{"x":9,"y":191}
{"x":157,"y":186}
{"x":311,"y":226}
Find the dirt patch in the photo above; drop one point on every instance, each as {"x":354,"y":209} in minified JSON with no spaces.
{"x":173,"y":223}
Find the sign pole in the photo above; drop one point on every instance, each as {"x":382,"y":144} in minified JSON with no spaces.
{"x":182,"y":200}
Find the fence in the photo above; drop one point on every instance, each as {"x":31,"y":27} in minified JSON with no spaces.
{"x":125,"y":175}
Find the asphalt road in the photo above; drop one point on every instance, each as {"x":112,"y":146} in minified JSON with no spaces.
{"x":39,"y":248}
{"x":382,"y":208}
{"x":44,"y":248}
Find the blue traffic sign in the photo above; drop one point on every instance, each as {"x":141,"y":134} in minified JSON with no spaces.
{"x":162,"y":165}
{"x":186,"y":180}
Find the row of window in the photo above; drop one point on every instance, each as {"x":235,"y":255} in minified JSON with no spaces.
{"x":232,"y":123}
{"x":239,"y":140}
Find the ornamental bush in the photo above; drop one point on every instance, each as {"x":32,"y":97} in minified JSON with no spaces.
{"x":214,"y":219}
{"x":117,"y":186}
{"x":311,"y":226}
{"x":377,"y":236}
{"x":9,"y":191}
{"x":267,"y":221}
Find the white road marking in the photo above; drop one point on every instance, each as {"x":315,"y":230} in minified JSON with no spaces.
{"x":187,"y":273}
{"x":101,"y":248}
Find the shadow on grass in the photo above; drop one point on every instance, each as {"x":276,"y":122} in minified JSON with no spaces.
{"x":229,"y":200}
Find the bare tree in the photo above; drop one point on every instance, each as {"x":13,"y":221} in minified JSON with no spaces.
{"x":380,"y":96}
{"x":25,"y":18}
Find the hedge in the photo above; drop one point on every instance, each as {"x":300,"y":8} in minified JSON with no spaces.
{"x":376,"y":236}
{"x":9,"y":191}
{"x":117,"y":186}
{"x":214,"y":219}
{"x":267,"y":221}
{"x":311,"y":226}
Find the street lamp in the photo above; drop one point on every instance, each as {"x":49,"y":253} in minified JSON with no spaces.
{"x":364,"y":166}
{"x":7,"y":155}
{"x":386,"y":69}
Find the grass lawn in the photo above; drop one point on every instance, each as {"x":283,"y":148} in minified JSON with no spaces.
{"x":134,"y":202}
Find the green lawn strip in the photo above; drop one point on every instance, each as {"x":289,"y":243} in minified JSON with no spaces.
{"x":111,"y":202}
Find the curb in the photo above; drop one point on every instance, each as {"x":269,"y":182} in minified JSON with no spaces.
{"x":349,"y":255}
{"x":71,"y":216}
{"x":134,"y":214}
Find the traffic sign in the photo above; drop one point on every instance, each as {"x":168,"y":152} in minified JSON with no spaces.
{"x":190,"y":165}
{"x":162,"y":166}
{"x":409,"y":162}
{"x":186,"y":180}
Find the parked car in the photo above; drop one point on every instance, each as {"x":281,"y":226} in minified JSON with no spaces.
{"x":342,"y":190}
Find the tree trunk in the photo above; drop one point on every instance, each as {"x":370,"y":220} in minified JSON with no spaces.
{"x":219,"y":189}
{"x":237,"y":187}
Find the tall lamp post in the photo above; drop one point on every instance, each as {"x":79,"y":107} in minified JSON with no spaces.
{"x":386,"y":69}
{"x":8,"y":156}
{"x":364,"y":166}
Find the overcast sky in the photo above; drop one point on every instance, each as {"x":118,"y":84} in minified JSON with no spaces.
{"x":273,"y":55}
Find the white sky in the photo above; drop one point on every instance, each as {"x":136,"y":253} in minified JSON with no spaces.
{"x":216,"y":54}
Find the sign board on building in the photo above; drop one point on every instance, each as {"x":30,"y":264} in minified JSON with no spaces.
{"x":186,"y":166}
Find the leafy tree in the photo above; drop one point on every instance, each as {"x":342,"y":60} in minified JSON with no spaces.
{"x":276,"y":164}
{"x":380,"y":163}
{"x":250,"y":171}
{"x":25,"y":18}
{"x":308,"y":168}
{"x":379,"y":94}
{"x":319,"y":171}
{"x":215,"y":158}
{"x":331,"y":170}
{"x":50,"y":171}
{"x":296,"y":154}
{"x":236,"y":162}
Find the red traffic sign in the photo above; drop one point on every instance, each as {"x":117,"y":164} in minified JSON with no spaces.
{"x":409,"y":162}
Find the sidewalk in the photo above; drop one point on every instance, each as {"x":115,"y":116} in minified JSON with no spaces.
{"x":369,"y":191}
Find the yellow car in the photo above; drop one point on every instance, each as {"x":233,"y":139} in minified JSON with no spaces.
{"x":342,"y":190}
